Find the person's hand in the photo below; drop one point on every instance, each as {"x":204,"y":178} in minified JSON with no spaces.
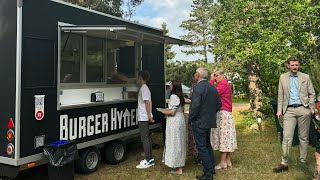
{"x":312,"y":110}
{"x":279,"y":115}
{"x":151,"y":120}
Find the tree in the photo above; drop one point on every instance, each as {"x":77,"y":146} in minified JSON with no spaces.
{"x":184,"y":70}
{"x":258,"y":36}
{"x":168,"y":53}
{"x":112,"y":7}
{"x":199,"y":28}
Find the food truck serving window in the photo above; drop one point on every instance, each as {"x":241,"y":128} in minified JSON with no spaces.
{"x":95,"y":57}
{"x":71,"y":55}
{"x":104,"y":54}
{"x":88,"y":58}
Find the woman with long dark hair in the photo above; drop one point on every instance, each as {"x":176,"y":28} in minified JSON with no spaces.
{"x":175,"y":146}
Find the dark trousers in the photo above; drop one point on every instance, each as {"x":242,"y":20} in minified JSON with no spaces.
{"x":145,"y":138}
{"x":202,"y":139}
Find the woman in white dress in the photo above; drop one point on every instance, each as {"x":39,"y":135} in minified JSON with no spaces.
{"x":175,"y":145}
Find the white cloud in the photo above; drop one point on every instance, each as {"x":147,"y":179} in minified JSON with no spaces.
{"x":163,"y":3}
{"x":173,"y":12}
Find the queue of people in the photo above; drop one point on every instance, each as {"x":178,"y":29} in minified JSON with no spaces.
{"x":205,"y":103}
{"x":211,"y":125}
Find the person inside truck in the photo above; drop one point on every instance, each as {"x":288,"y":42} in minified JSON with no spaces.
{"x":67,"y":78}
{"x":119,"y":78}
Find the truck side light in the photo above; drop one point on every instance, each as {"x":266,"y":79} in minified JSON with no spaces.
{"x":10,"y":149}
{"x":10,"y":135}
{"x":10,"y":124}
{"x":31,"y":165}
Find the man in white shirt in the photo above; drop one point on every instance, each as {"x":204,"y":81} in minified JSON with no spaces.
{"x":144,"y":117}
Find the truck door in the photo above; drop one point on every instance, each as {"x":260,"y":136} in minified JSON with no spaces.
{"x":153,"y":61}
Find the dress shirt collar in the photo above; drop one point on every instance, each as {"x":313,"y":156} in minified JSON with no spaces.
{"x":293,"y":75}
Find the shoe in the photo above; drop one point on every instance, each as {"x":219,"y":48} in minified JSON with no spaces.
{"x":281,"y":168}
{"x":229,"y":165}
{"x":175,"y":172}
{"x":203,"y":177}
{"x":145,"y":164}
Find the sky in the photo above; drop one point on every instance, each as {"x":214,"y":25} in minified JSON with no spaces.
{"x":173,"y":12}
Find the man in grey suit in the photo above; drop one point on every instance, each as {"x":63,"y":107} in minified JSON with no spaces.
{"x":205,"y":102}
{"x":296,"y":103}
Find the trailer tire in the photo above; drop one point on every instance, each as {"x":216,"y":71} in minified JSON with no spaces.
{"x":114,"y":152}
{"x":89,"y":160}
{"x":6,"y":178}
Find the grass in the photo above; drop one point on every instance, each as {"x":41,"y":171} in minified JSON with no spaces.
{"x":240,"y":99}
{"x":258,"y":153}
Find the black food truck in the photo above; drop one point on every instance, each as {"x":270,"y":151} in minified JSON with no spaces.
{"x":68,"y":73}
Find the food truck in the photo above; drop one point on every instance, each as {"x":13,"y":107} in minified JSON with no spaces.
{"x":69,"y":73}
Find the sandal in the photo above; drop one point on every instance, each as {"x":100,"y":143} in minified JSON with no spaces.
{"x":219,"y":167}
{"x":175,"y":172}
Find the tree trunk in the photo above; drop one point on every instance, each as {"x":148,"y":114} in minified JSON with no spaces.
{"x":205,"y":53}
{"x":255,"y":92}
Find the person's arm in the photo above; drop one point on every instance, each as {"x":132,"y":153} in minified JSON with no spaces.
{"x":219,"y":103}
{"x":148,"y":109}
{"x":174,"y":103}
{"x":187,"y":100}
{"x":221,"y":88}
{"x":168,"y":112}
{"x":280,"y":99}
{"x":195,"y":104}
{"x":312,"y":95}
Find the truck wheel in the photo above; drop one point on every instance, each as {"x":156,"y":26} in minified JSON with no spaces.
{"x":114,"y":152}
{"x":88,"y":161}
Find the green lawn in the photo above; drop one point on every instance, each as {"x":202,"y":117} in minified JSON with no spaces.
{"x":258,"y":153}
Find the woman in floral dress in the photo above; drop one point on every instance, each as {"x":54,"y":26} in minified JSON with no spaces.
{"x":224,"y":136}
{"x":175,"y":145}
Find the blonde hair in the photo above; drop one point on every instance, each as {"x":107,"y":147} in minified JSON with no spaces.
{"x":219,"y":71}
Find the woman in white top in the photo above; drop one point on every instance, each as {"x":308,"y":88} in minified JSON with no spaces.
{"x":175,"y":145}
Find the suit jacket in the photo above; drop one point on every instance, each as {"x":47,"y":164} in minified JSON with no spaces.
{"x":305,"y":87}
{"x":205,"y":102}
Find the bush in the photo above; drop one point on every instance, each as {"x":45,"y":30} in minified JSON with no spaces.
{"x":249,"y":118}
{"x":266,"y":109}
